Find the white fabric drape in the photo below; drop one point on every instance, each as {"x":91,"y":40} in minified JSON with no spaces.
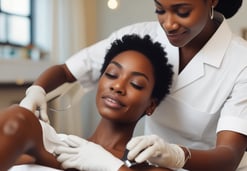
{"x":68,"y":36}
{"x":68,"y":28}
{"x":60,"y":27}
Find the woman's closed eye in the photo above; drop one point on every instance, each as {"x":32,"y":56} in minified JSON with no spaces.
{"x":137,"y":86}
{"x":111,"y":75}
{"x":134,"y":84}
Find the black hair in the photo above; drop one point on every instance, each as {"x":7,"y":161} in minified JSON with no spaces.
{"x":156,"y":55}
{"x":228,"y":7}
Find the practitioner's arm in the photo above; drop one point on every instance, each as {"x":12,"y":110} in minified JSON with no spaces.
{"x":50,"y":79}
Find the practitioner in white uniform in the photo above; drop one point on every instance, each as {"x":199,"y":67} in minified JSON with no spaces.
{"x":207,"y":108}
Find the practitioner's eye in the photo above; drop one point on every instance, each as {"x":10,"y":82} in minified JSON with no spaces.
{"x":183,"y":12}
{"x":159,"y":11}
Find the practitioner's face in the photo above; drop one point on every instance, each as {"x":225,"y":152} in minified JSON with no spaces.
{"x":125,"y":88}
{"x":183,"y":20}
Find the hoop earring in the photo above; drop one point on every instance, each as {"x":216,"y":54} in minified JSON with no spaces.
{"x":212,"y":13}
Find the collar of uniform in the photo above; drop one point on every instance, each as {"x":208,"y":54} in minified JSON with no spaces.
{"x":213,"y":52}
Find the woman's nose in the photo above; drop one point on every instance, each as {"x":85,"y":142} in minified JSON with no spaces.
{"x":118,"y":88}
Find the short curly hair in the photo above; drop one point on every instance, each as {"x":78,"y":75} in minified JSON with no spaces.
{"x":156,"y":55}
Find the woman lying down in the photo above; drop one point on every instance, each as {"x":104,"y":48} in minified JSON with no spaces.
{"x":135,"y":78}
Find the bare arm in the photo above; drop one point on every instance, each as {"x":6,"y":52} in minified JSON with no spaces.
{"x":21,"y":133}
{"x":54,"y":76}
{"x":225,"y":156}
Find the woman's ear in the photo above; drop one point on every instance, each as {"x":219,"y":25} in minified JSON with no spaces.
{"x":214,"y":3}
{"x":150,"y":109}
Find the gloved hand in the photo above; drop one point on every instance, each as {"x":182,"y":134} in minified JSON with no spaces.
{"x":36,"y":100}
{"x":153,"y":149}
{"x":84,"y":155}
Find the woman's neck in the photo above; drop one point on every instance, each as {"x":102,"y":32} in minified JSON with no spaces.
{"x":113,"y":136}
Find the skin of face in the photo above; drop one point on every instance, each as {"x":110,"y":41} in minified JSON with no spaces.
{"x":184,"y":21}
{"x":125,"y":88}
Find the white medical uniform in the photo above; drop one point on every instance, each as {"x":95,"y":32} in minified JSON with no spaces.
{"x":208,"y":96}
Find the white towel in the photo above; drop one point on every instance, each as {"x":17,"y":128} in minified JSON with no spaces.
{"x":51,"y":138}
{"x":31,"y":167}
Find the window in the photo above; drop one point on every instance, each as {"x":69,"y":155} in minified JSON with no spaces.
{"x":16,"y":22}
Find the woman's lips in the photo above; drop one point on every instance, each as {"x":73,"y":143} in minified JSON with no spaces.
{"x":112,"y":102}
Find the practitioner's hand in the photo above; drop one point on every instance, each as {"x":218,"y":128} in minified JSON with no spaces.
{"x":35,"y":101}
{"x":153,"y":149}
{"x":84,"y":155}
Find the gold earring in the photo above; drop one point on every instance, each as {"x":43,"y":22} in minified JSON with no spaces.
{"x":212,"y":13}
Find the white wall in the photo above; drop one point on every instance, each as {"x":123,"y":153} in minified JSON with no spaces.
{"x":239,"y":21}
{"x":128,"y":12}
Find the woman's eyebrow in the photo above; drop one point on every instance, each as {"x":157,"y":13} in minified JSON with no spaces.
{"x":140,"y":74}
{"x":157,"y":2}
{"x":133,"y":73}
{"x":116,"y":63}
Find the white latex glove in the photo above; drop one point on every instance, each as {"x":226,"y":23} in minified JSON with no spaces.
{"x":84,"y":155}
{"x":155,"y":150}
{"x":35,"y":101}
